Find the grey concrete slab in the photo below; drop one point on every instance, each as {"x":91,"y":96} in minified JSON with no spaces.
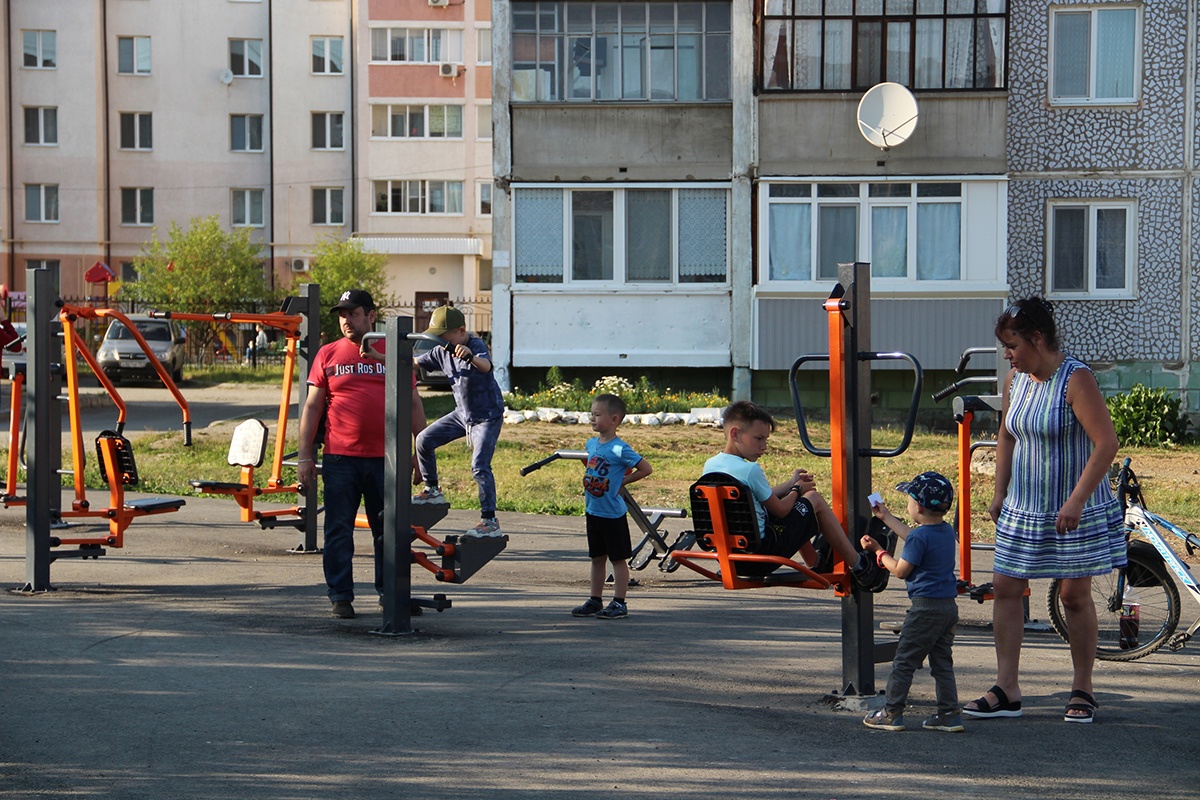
{"x":200,"y":661}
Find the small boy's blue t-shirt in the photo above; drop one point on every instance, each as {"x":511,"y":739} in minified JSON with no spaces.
{"x":931,"y":549}
{"x":749,"y":473}
{"x":606,"y":466}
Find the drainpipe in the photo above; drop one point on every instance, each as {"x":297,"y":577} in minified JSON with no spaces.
{"x":10,"y":223}
{"x":105,"y":144}
{"x":350,"y":64}
{"x":1189,"y":183}
{"x":271,"y":140}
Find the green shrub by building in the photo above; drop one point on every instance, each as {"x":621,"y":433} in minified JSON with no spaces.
{"x":1148,"y":418}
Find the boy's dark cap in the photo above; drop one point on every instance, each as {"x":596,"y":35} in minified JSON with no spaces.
{"x":931,"y":490}
{"x":354,"y":298}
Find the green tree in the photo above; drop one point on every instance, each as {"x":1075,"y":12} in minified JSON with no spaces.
{"x":201,"y":270}
{"x":343,"y":264}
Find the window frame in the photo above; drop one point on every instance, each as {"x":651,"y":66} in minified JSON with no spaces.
{"x":482,"y":31}
{"x":142,"y":208}
{"x":483,"y":133}
{"x":247,"y":61}
{"x":137,"y":145}
{"x":327,"y":193}
{"x":328,"y":129}
{"x":41,"y":35}
{"x":423,"y":195}
{"x":482,"y":188}
{"x":247,"y":208}
{"x":1091,"y":98}
{"x":620,"y":240}
{"x":137,"y":43}
{"x":1092,"y":206}
{"x":864,"y":204}
{"x":49,"y":212}
{"x":425,"y":123}
{"x":328,"y":71}
{"x":246,"y":133}
{"x":41,"y":113}
{"x":454,"y":46}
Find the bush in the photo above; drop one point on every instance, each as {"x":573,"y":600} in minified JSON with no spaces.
{"x":640,"y":398}
{"x":1148,"y":417}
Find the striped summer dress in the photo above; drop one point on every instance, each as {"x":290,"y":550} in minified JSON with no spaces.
{"x":1050,"y":453}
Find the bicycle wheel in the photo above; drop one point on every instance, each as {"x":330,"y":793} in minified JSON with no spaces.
{"x":1148,"y":585}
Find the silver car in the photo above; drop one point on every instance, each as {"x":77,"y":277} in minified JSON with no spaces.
{"x":121,"y":356}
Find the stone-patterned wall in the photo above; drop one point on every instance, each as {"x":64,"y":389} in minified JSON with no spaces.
{"x":1146,"y":328}
{"x":1147,"y":136}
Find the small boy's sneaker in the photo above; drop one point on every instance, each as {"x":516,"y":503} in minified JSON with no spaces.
{"x":883,"y":720}
{"x":615,"y":610}
{"x":430,"y":495}
{"x":949,"y":722}
{"x":486,"y":528}
{"x":589,"y":609}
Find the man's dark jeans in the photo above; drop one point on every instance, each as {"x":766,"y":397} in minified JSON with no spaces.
{"x":349,"y":480}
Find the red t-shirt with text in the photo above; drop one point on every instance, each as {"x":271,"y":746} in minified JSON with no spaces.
{"x":355,"y":399}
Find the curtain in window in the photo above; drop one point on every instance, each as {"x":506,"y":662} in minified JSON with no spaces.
{"x":454,"y":197}
{"x":1069,"y":271}
{"x":1115,"y":32}
{"x":960,"y":62}
{"x":807,"y":67}
{"x":454,"y":115}
{"x":838,"y":47}
{"x":899,"y":52}
{"x":889,"y":242}
{"x":929,"y":54}
{"x":703,"y":247}
{"x":379,"y":44}
{"x":1110,"y":248}
{"x":538,"y":235}
{"x":939,"y":241}
{"x":591,"y":236}
{"x":437,"y":122}
{"x":790,"y":246}
{"x":837,"y":239}
{"x":777,"y":46}
{"x":1071,"y":54}
{"x":990,"y":55}
{"x":648,"y":235}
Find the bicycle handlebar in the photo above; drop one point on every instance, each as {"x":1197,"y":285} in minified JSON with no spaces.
{"x":576,"y":455}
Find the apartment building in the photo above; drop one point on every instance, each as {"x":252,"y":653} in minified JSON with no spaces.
{"x":297,"y":119}
{"x":694,"y":170}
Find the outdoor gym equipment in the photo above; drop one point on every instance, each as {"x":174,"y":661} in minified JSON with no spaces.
{"x":848,"y":317}
{"x":653,"y":545}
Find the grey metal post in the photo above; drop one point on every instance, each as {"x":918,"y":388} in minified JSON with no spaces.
{"x":858,"y":617}
{"x":397,"y":497}
{"x":42,"y":489}
{"x":310,"y":342}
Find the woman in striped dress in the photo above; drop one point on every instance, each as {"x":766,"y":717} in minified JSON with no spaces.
{"x":1055,"y":514}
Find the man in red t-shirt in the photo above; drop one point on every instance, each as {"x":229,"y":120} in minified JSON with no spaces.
{"x":346,"y":387}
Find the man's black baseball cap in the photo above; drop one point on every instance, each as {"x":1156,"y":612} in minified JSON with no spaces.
{"x":354,"y":298}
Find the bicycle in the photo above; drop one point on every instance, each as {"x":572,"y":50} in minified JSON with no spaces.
{"x":1137,"y":606}
{"x":653,"y":545}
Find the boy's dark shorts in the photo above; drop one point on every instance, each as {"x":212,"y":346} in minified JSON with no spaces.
{"x":783,"y":536}
{"x":608,"y":537}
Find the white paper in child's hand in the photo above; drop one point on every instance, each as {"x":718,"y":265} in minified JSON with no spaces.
{"x":873,"y":499}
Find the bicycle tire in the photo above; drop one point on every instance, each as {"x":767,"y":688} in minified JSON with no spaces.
{"x":1156,"y":593}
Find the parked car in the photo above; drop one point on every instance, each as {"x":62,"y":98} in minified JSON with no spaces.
{"x":428,"y":377}
{"x":120,"y":355}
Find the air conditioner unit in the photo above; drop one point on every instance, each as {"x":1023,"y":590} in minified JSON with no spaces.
{"x":299,"y":265}
{"x":439,"y":3}
{"x":448,"y":70}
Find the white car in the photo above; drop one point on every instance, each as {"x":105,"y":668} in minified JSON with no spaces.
{"x":120,"y":355}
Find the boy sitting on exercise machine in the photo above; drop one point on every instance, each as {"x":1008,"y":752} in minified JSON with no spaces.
{"x":790,"y":514}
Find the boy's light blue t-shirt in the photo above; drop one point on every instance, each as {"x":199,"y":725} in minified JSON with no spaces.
{"x":931,"y":550}
{"x":606,"y":466}
{"x":749,"y":473}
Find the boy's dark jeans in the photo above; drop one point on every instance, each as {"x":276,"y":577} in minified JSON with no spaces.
{"x":928,"y":632}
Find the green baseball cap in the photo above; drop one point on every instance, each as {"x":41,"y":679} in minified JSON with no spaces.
{"x":445,"y":318}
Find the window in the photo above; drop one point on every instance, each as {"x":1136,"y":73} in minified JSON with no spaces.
{"x":42,"y":263}
{"x":910,"y":231}
{"x":327,"y":55}
{"x":133,"y":55}
{"x":41,"y":202}
{"x":327,"y":206}
{"x":483,"y":194}
{"x":572,"y":52}
{"x":1092,"y":248}
{"x":635,"y":235}
{"x":247,"y":209}
{"x":416,"y":45}
{"x":128,"y":272}
{"x":1094,"y":53}
{"x":418,"y":197}
{"x":41,"y":125}
{"x":245,"y":58}
{"x":40,"y":49}
{"x":137,"y":131}
{"x":483,"y":52}
{"x":483,"y":128}
{"x":246,"y":133}
{"x":137,"y":206}
{"x":417,"y":122}
{"x":839,"y":45}
{"x":327,"y":130}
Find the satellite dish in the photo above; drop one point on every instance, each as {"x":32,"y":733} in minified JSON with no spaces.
{"x":226,"y":76}
{"x":887,"y":115}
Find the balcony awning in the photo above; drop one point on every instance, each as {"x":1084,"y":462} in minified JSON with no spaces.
{"x":422,"y":245}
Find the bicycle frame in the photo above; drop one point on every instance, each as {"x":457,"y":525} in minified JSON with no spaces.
{"x":1146,"y":524}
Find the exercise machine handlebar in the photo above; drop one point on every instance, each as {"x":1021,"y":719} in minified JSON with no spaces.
{"x":966,"y":357}
{"x":946,"y":391}
{"x":575,"y":455}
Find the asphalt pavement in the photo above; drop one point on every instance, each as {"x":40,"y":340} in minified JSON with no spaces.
{"x":201,"y":661}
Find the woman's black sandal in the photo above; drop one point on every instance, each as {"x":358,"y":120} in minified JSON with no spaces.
{"x":1085,"y":711}
{"x":1003,"y":708}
